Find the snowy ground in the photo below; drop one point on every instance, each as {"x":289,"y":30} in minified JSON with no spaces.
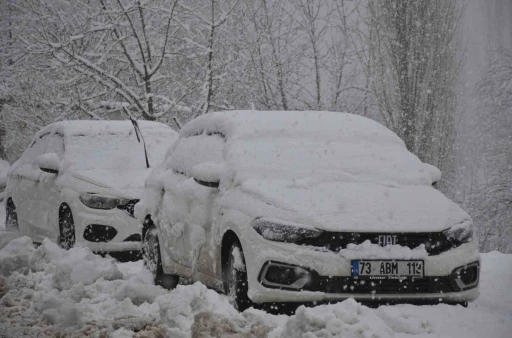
{"x":51,"y":292}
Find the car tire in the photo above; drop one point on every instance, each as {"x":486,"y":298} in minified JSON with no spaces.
{"x":11,"y":217}
{"x":153,"y":260}
{"x":66,"y":228}
{"x":235,"y":278}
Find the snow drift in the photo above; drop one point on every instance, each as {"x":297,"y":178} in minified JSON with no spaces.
{"x":48,"y":292}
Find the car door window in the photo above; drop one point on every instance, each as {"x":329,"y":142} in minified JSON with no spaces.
{"x":27,"y":167}
{"x":36,"y":148}
{"x":55,"y":144}
{"x":196,"y":149}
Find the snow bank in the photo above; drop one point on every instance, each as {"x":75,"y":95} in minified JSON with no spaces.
{"x":15,"y":256}
{"x":496,"y":283}
{"x":348,"y":319}
{"x":51,"y":292}
{"x":79,"y":265}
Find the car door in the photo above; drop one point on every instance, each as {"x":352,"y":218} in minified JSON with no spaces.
{"x":48,"y":191}
{"x":25,"y":194}
{"x":188,"y":204}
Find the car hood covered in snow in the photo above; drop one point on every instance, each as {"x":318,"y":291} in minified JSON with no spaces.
{"x":129,"y":183}
{"x":352,"y":206}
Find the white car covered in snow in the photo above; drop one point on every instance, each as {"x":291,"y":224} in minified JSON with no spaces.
{"x":78,"y":182}
{"x":305,"y":207}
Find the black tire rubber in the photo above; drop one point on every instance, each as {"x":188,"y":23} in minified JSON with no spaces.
{"x":235,"y":279}
{"x":11,"y":217}
{"x":153,"y":260}
{"x":463,"y":303}
{"x":67,"y":237}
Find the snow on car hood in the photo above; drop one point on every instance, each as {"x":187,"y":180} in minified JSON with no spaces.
{"x":355,"y":206}
{"x":123,"y":183}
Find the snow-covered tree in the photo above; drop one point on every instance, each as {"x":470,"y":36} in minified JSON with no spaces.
{"x":413,"y":64}
{"x":294,"y":54}
{"x":112,"y":55}
{"x":495,"y":203}
{"x":28,"y":98}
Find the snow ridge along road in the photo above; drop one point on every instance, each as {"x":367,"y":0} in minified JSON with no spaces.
{"x":51,"y":292}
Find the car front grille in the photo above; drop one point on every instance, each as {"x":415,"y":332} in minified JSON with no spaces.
{"x":435,"y":242}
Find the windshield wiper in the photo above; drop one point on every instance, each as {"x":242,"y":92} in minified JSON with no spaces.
{"x":138,"y":133}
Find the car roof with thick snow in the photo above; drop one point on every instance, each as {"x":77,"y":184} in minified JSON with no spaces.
{"x":323,"y":124}
{"x":103,"y":127}
{"x":291,"y":142}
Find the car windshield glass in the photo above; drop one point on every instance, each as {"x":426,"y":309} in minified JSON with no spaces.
{"x":291,"y":158}
{"x":115,"y":151}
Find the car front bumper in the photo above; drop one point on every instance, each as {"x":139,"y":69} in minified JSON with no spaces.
{"x":331,"y":278}
{"x":126,"y":229}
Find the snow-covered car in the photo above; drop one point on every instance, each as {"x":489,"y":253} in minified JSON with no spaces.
{"x":305,"y":207}
{"x":4,"y":170}
{"x":78,"y":182}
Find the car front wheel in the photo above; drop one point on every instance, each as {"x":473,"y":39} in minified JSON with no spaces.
{"x":235,"y":278}
{"x":153,"y":260}
{"x":66,"y":228}
{"x":11,"y":217}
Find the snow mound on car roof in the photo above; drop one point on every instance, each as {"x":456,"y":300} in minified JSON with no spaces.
{"x":299,"y":124}
{"x":300,"y":145}
{"x":91,"y":127}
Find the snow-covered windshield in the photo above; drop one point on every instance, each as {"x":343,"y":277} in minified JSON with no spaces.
{"x":115,"y":151}
{"x":346,"y":160}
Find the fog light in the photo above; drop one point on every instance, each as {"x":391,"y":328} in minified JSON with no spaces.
{"x":99,"y":233}
{"x":284,"y":275}
{"x":467,"y":276}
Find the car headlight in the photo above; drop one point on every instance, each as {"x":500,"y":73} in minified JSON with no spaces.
{"x":96,"y":201}
{"x":460,"y":233}
{"x":278,"y":232}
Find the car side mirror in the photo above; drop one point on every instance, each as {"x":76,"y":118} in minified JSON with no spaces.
{"x":49,"y":163}
{"x":208,"y":174}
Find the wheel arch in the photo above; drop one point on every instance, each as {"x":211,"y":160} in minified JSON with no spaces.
{"x":228,"y":239}
{"x":9,"y":204}
{"x":62,"y":208}
{"x":8,"y":201}
{"x":146,"y":224}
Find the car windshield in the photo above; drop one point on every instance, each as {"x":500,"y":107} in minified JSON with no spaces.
{"x":341,"y":159}
{"x":115,"y":151}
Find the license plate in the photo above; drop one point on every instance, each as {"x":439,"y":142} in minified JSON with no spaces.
{"x":385,"y":268}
